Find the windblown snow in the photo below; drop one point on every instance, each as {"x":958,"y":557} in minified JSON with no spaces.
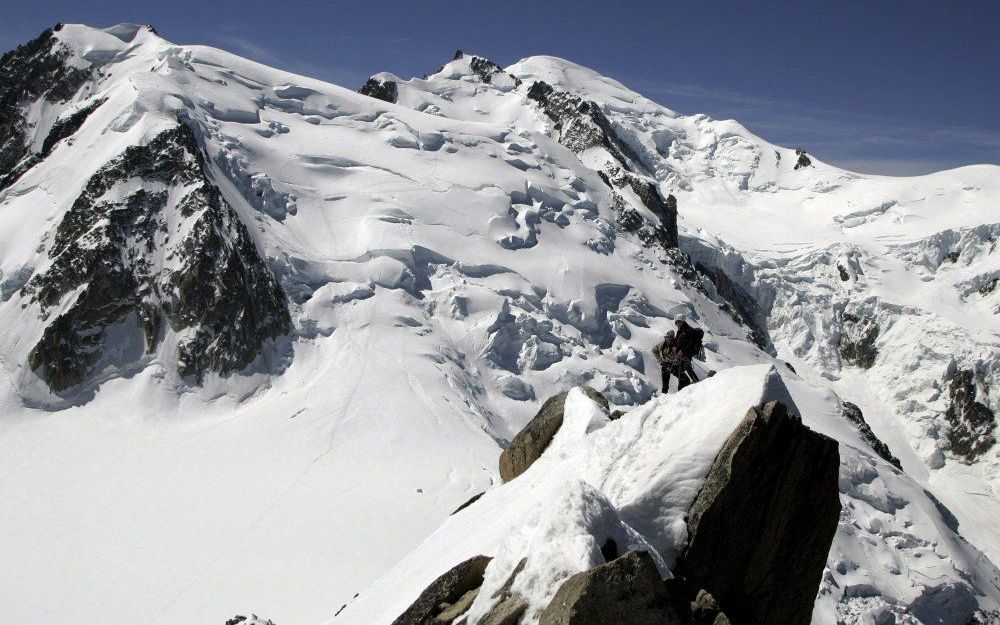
{"x":448,"y":261}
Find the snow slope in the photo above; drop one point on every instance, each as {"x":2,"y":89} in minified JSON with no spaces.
{"x":448,"y":265}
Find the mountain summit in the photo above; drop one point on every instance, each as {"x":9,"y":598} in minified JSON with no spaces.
{"x":264,"y":334}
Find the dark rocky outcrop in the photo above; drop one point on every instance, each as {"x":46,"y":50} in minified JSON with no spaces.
{"x":762,"y":525}
{"x":665,"y":232}
{"x":468,"y":503}
{"x":853,"y":414}
{"x":484,"y":68}
{"x":385,"y":90}
{"x":857,"y":340}
{"x":625,"y":590}
{"x":971,"y":424}
{"x":213,"y":290}
{"x":581,"y":124}
{"x":988,"y":286}
{"x":67,"y":127}
{"x":447,"y":597}
{"x":741,"y":306}
{"x":803,"y":159}
{"x":239,"y":618}
{"x":33,"y":71}
{"x":529,"y":444}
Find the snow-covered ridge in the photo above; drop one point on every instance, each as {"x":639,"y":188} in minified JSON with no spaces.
{"x":450,"y":260}
{"x":633,"y":480}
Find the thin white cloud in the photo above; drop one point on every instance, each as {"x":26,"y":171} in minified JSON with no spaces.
{"x":250,"y":49}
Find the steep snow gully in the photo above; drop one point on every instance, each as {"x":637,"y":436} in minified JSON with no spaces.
{"x":264,"y":334}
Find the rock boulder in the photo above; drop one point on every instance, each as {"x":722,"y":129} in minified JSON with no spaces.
{"x":762,"y":525}
{"x":625,"y":590}
{"x":447,"y":597}
{"x":529,"y":444}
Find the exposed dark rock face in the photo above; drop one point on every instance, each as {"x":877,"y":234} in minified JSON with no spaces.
{"x":385,"y":90}
{"x":988,"y":286}
{"x":33,"y":71}
{"x":972,"y":425}
{"x":213,"y":288}
{"x":853,"y":414}
{"x":468,"y":503}
{"x":741,"y":306}
{"x":581,"y":125}
{"x":530,"y":443}
{"x":803,"y":160}
{"x":484,"y":68}
{"x":762,"y":525}
{"x":626,"y":218}
{"x":663,"y":233}
{"x":447,"y":597}
{"x":625,"y":590}
{"x":67,"y":127}
{"x":857,"y":340}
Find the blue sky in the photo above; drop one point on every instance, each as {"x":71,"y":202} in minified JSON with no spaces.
{"x":897,"y":87}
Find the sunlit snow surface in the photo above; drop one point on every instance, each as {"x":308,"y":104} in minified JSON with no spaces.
{"x":450,"y":266}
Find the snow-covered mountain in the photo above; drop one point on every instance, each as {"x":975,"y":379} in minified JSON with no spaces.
{"x":264,"y":334}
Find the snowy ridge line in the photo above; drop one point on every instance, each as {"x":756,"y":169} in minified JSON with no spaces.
{"x":633,"y":480}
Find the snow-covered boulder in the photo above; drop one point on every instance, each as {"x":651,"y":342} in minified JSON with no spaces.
{"x":529,"y":444}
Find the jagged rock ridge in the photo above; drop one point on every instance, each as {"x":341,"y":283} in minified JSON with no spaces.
{"x":853,"y":414}
{"x":581,"y":124}
{"x":37,"y":69}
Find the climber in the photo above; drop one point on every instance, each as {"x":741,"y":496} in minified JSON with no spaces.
{"x":687,"y":344}
{"x":664,"y":354}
